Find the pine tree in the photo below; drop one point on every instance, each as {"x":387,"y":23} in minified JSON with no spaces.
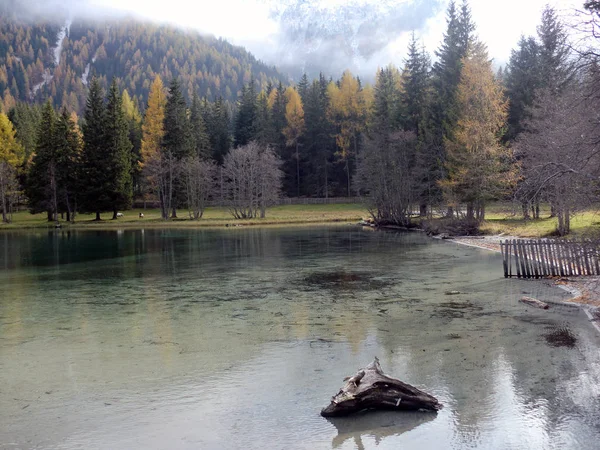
{"x":178,"y":142}
{"x":200,"y":135}
{"x":96,"y":165}
{"x":118,"y":152}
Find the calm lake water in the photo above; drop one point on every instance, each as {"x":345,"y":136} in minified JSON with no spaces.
{"x":196,"y":339}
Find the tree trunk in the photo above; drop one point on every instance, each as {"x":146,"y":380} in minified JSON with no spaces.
{"x":423,"y":210}
{"x":297,"y":171}
{"x":50,"y":216}
{"x":525,"y":207}
{"x":450,"y":212}
{"x":98,"y":216}
{"x":174,"y":213}
{"x":114,"y":217}
{"x":348,"y":174}
{"x":371,"y":389}
{"x":470,"y":211}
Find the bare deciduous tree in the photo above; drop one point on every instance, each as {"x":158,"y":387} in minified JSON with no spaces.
{"x":386,"y":175}
{"x":253,"y":175}
{"x":199,"y":181}
{"x":9,"y":187}
{"x":560,"y":154}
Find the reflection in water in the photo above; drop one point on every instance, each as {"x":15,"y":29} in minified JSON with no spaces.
{"x":237,"y":338}
{"x":376,"y":425}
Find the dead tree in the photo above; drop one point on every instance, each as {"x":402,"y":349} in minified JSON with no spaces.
{"x":371,"y":389}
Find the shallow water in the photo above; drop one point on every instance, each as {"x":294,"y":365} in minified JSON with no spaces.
{"x":186,"y":339}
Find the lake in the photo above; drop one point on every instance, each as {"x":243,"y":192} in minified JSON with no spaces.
{"x":236,"y":338}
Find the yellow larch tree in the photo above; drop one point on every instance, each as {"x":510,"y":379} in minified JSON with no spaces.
{"x":11,"y":156}
{"x":294,"y":116}
{"x":479,"y":166}
{"x":347,"y":111}
{"x":153,"y":133}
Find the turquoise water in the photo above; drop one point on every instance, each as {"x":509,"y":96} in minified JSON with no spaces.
{"x":186,"y":339}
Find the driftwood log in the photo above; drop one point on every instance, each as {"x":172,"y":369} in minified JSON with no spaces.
{"x":371,"y":389}
{"x":534,"y":302}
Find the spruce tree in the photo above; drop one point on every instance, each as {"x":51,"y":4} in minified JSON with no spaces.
{"x":134,"y":124}
{"x":41,"y":178}
{"x":178,"y":142}
{"x":96,"y":164}
{"x":522,"y":80}
{"x":202,"y":148}
{"x":245,"y":121}
{"x":68,"y":148}
{"x":556,"y":71}
{"x":415,"y":96}
{"x":263,"y":124}
{"x":118,"y":152}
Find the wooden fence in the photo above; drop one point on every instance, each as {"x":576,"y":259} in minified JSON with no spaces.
{"x":542,"y":258}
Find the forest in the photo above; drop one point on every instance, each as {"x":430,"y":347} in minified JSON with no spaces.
{"x":428,"y":138}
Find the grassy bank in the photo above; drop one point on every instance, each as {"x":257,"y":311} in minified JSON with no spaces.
{"x":213,"y":217}
{"x":501,"y":218}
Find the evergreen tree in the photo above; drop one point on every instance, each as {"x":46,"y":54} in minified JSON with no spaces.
{"x":278,"y":102}
{"x":26,"y":118}
{"x":318,"y":141}
{"x":69,"y":146}
{"x":264,"y":123}
{"x":178,"y":142}
{"x":555,"y":69}
{"x":96,"y":165}
{"x":199,"y":134}
{"x":385,"y":117}
{"x":522,"y":80}
{"x":220,"y":138}
{"x":415,"y":94}
{"x":117,"y":149}
{"x":134,"y":124}
{"x":41,"y":186}
{"x":303,"y":86}
{"x":245,"y":121}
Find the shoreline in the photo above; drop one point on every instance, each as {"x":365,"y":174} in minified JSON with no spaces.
{"x":585,"y":291}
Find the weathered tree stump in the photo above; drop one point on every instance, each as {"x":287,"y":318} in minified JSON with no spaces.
{"x":371,"y":389}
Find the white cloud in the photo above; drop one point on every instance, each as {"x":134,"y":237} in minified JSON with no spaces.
{"x":249,"y":22}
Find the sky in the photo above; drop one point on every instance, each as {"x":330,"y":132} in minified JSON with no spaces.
{"x":298,"y":32}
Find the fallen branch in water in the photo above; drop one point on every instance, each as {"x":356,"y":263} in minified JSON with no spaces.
{"x":534,"y":302}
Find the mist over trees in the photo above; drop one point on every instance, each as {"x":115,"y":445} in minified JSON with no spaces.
{"x":428,"y":137}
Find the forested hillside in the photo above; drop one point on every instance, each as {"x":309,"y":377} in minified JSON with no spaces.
{"x":56,"y":60}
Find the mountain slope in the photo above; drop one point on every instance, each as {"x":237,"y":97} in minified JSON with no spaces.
{"x":57,"y":60}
